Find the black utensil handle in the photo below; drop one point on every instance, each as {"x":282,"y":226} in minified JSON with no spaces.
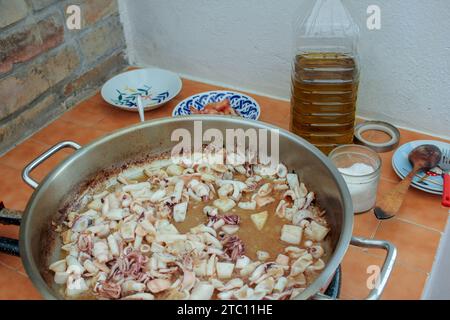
{"x":9,"y":246}
{"x":8,"y":216}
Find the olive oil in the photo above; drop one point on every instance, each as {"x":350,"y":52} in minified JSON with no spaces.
{"x":323,"y":98}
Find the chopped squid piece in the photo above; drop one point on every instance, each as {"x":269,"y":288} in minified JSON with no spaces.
{"x":224,"y":205}
{"x":247,"y":293}
{"x":170,"y":238}
{"x":90,"y":267}
{"x":115,"y":214}
{"x":266,"y":285}
{"x":250,"y":205}
{"x":300,"y":265}
{"x":132,"y":286}
{"x":301,"y":215}
{"x":225,"y":190}
{"x":248,"y":269}
{"x":224,"y":270}
{"x":281,"y":284}
{"x":259,"y":219}
{"x":219,"y":224}
{"x":292,"y":180}
{"x":101,"y":251}
{"x":200,"y":268}
{"x":225,"y":295}
{"x":263,"y":201}
{"x":127,"y":231}
{"x":58,"y":266}
{"x":76,"y":286}
{"x":316,"y":231}
{"x":291,"y":234}
{"x":61,"y":277}
{"x":158,"y":285}
{"x":318,"y":265}
{"x":96,"y":204}
{"x":178,"y":191}
{"x":262,"y":255}
{"x":231,"y":284}
{"x":202,"y":291}
{"x":158,"y":195}
{"x":242,"y":262}
{"x":179,"y":212}
{"x":140,"y":296}
{"x":282,"y":260}
{"x":136,"y":186}
{"x":265,"y":190}
{"x":281,"y":170}
{"x":202,"y":228}
{"x":316,"y":251}
{"x":174,"y":170}
{"x":211,"y":266}
{"x":230,"y":229}
{"x":210,"y":211}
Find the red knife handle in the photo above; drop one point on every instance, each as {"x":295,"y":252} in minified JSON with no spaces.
{"x":446,"y":191}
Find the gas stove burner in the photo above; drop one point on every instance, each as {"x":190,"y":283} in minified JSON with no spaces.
{"x":334,"y":289}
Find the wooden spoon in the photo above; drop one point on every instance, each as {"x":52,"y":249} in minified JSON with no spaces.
{"x":424,"y":157}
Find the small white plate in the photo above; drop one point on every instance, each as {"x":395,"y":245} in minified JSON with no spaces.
{"x":155,"y":86}
{"x":243,"y":105}
{"x":402,"y":166}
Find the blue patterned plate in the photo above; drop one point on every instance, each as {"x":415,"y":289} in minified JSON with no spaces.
{"x":155,"y":86}
{"x":422,"y":181}
{"x":244,"y":105}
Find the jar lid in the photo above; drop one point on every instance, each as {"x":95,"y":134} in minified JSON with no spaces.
{"x":385,"y":127}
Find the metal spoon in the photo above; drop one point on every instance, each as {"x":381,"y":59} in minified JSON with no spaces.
{"x":140,"y":108}
{"x":424,"y":157}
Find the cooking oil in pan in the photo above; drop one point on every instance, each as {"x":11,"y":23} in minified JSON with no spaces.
{"x":323,"y":98}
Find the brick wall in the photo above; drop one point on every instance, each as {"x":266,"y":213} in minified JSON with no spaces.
{"x":45,"y":68}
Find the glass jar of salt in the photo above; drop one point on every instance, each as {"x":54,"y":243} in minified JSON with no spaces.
{"x":361,"y":168}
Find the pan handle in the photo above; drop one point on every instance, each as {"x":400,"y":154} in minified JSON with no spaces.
{"x":9,"y":246}
{"x":386,"y":269}
{"x":11,"y":217}
{"x":8,"y":216}
{"x":388,"y":264}
{"x":44,"y":156}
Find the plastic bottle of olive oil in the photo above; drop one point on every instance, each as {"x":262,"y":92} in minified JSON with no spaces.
{"x":325,"y":75}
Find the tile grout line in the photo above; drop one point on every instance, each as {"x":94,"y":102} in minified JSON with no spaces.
{"x":12,"y":268}
{"x":390,"y":179}
{"x":419,"y":225}
{"x":9,"y":267}
{"x":435,"y":259}
{"x":86,"y":126}
{"x":10,"y":167}
{"x":372,"y":236}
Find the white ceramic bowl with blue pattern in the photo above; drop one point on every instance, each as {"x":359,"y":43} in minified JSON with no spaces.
{"x":155,"y":86}
{"x":245,"y":106}
{"x":422,"y":181}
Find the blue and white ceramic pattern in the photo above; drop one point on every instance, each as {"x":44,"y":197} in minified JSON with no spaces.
{"x":155,"y":86}
{"x":402,"y":166}
{"x":244,"y":105}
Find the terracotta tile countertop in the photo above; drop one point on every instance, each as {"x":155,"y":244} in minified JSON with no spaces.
{"x":416,"y":230}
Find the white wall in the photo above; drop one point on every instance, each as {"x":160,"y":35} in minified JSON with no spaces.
{"x":438,"y":284}
{"x":247,"y":44}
